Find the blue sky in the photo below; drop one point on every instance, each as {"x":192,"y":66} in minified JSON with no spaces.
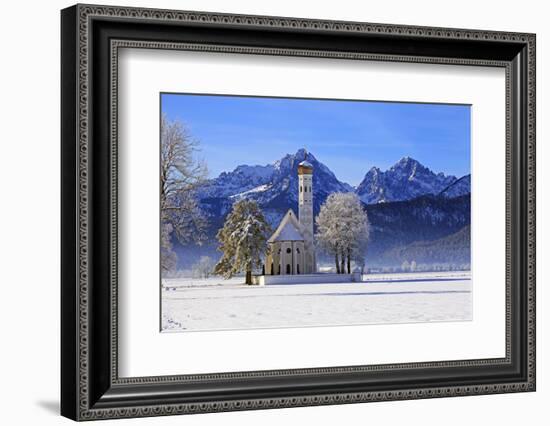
{"x":348,"y":136}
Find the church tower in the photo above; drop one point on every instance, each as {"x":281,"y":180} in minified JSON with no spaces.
{"x":305,"y":211}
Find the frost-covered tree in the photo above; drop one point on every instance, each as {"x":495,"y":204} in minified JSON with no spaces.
{"x":204,"y":267}
{"x":181,"y":174}
{"x":413,"y":266}
{"x":405,"y":266}
{"x":328,"y":235}
{"x":359,"y":252}
{"x":242,"y":240}
{"x":343,"y":230}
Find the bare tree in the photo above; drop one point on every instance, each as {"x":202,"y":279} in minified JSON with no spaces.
{"x":328,"y":235}
{"x":181,"y":174}
{"x":204,"y":267}
{"x":343,"y":230}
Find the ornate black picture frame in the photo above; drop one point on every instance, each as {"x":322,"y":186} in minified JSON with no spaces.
{"x":91,"y":388}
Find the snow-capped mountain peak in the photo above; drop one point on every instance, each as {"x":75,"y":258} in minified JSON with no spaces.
{"x":272,"y":183}
{"x":405,"y":180}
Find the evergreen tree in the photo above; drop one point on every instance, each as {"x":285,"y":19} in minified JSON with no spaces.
{"x":243,"y":240}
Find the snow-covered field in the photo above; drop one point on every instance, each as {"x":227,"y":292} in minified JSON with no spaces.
{"x":216,"y":304}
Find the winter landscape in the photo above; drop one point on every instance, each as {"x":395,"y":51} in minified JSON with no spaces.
{"x":214,"y":304}
{"x":333,"y":234}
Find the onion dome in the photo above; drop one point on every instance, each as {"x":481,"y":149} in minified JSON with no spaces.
{"x":305,"y":168}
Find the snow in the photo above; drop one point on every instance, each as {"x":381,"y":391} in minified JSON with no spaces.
{"x":266,"y":183}
{"x":288,"y":229}
{"x":405,"y":180}
{"x":260,"y":188}
{"x":460,"y":187}
{"x":217,"y":304}
{"x":289,"y":233}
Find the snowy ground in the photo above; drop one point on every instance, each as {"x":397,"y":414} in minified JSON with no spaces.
{"x":217,"y":304}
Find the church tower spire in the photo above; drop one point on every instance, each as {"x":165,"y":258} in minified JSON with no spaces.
{"x":305,"y":210}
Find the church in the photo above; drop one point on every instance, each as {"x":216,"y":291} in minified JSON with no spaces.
{"x":290,"y":248}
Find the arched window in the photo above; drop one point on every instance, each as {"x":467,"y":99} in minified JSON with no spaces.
{"x":272,"y":269}
{"x":288,"y":268}
{"x":298,"y":250}
{"x":298,"y":268}
{"x":300,"y":188}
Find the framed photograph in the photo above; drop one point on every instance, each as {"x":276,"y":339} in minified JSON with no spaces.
{"x":263,"y":212}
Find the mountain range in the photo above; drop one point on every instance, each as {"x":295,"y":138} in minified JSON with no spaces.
{"x":405,"y":180}
{"x":405,"y":204}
